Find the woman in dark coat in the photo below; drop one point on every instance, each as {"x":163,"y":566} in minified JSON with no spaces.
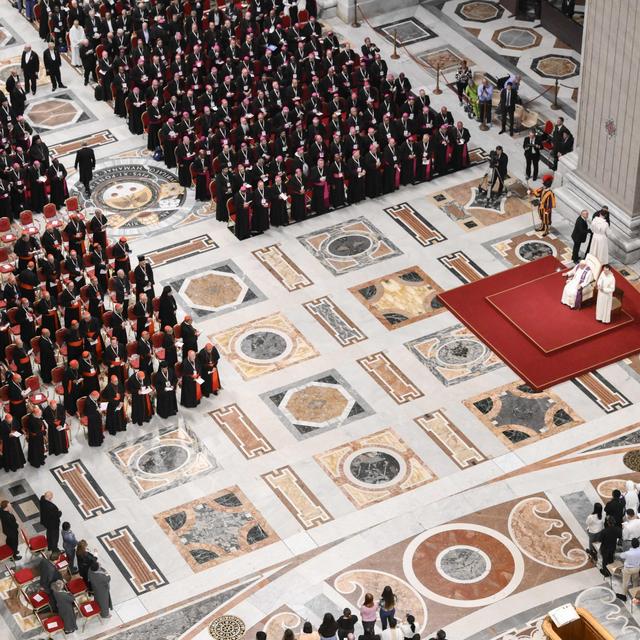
{"x":167,"y":308}
{"x":84,"y":559}
{"x":12,"y":454}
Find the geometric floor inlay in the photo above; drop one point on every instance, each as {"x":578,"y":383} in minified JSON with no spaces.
{"x":159,"y":461}
{"x":213,"y":529}
{"x":263,"y":345}
{"x":350,"y":245}
{"x":454,"y":355}
{"x":407,"y":31}
{"x":220,"y":288}
{"x":519,"y":415}
{"x":316,"y":404}
{"x":374,"y":468}
{"x":400,"y":298}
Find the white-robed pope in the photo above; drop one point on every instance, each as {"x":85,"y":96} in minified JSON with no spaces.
{"x":578,"y":278}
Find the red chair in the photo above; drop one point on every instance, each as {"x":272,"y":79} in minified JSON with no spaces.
{"x":132,"y":355}
{"x":36,"y":396}
{"x":51,"y":624}
{"x":231,"y":210}
{"x":157,"y":340}
{"x":77,"y":587}
{"x":28,"y":223}
{"x":6,"y":552}
{"x":35,"y":347}
{"x":51,"y":215}
{"x":38,"y":600}
{"x":89,"y":609}
{"x":9,"y":350}
{"x":5,"y":265}
{"x":57,"y":375}
{"x":6,"y":235}
{"x":36,"y":544}
{"x":21,"y":577}
{"x":72,"y":204}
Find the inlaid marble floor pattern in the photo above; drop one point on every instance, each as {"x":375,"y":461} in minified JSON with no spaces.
{"x":362,"y":437}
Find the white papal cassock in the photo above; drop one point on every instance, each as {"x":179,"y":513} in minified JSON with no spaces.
{"x":580,"y":276}
{"x":606,"y":287}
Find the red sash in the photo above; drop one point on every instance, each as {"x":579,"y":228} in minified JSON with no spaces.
{"x":397,"y":178}
{"x":198,"y":389}
{"x":215,"y":380}
{"x":448,"y":153}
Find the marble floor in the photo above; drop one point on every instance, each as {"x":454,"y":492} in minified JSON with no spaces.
{"x":363,"y":437}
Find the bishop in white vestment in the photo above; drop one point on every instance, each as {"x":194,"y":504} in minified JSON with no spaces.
{"x":578,"y":278}
{"x":606,"y":286}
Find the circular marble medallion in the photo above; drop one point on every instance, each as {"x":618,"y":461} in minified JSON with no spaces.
{"x":375,"y":467}
{"x":349,"y":245}
{"x":137,"y":198}
{"x":162,"y":459}
{"x":463,"y":565}
{"x":265,"y":345}
{"x":227,"y":628}
{"x":465,"y":351}
{"x":631,"y":460}
{"x":531,"y":250}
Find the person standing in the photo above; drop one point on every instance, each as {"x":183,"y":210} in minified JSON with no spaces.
{"x":69,"y":544}
{"x":50,"y":519}
{"x":99,"y":580}
{"x":9,"y":528}
{"x":485,"y":96}
{"x":65,"y":605}
{"x":579,"y":234}
{"x":606,"y":286}
{"x":508,"y":98}
{"x":463,"y":77}
{"x":599,"y":245}
{"x":631,"y":568}
{"x":52,"y":63}
{"x":30,"y":65}
{"x":86,"y":163}
{"x":546,"y":203}
{"x":532,"y":146}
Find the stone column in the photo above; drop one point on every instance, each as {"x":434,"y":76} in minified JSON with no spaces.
{"x":605,"y":168}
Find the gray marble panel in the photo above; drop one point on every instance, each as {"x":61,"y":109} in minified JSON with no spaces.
{"x":579,"y":504}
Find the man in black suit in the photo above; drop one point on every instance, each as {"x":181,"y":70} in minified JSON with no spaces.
{"x":86,"y":163}
{"x":508,"y":98}
{"x":30,"y":65}
{"x":52,"y":63}
{"x":9,"y":528}
{"x":499,"y":165}
{"x":532,"y":146}
{"x":18,"y":100}
{"x":50,"y":519}
{"x":579,"y":234}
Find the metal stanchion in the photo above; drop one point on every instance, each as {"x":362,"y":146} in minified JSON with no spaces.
{"x":483,"y":124}
{"x":437,"y":91}
{"x":355,"y":24}
{"x":394,"y":55}
{"x":555,"y":106}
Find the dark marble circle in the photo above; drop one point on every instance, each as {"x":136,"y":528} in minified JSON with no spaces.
{"x":463,"y":563}
{"x":631,"y":460}
{"x":263,"y":345}
{"x":163,"y":459}
{"x":374,"y":467}
{"x":459,"y":352}
{"x":349,"y":245}
{"x":533,"y":250}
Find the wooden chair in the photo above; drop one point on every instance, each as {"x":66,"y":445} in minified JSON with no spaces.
{"x":5,"y":266}
{"x":6,"y":235}
{"x":28,"y":223}
{"x":88,"y":609}
{"x":51,"y":624}
{"x":21,"y":577}
{"x":84,"y":421}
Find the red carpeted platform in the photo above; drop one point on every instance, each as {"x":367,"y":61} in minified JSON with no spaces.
{"x":520,"y":305}
{"x":552,"y":321}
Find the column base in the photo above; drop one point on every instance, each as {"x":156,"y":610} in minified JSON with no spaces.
{"x":575,"y":194}
{"x":370,"y":8}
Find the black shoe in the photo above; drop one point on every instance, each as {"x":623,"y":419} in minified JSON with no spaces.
{"x":621,"y":596}
{"x":86,"y":82}
{"x":528,"y":177}
{"x":64,"y":86}
{"x":501,"y":131}
{"x":17,"y":557}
